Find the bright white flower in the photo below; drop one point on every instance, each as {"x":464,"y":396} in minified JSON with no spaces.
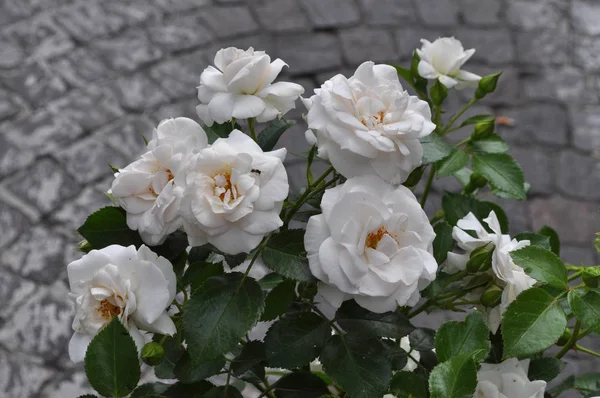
{"x":234,"y":194}
{"x":507,"y":380}
{"x":135,"y":285}
{"x":368,"y":124}
{"x":147,"y":189}
{"x":372,"y":243}
{"x":411,"y":365}
{"x":241,"y":86}
{"x":442,"y":60}
{"x":512,"y":276}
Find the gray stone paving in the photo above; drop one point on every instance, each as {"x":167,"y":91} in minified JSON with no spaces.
{"x":80,"y":78}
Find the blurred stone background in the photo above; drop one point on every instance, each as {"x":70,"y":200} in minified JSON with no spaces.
{"x":80,"y":79}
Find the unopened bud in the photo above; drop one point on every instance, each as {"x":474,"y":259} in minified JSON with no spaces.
{"x":153,"y":353}
{"x":492,"y":296}
{"x":481,"y":259}
{"x":487,"y":85}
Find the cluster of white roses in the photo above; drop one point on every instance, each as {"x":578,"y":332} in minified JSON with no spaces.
{"x":371,"y":243}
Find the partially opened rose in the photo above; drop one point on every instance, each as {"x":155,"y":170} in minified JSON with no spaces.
{"x":234,"y":193}
{"x":443,"y":59}
{"x":372,"y":243}
{"x":508,"y":380}
{"x":368,"y":124}
{"x":135,"y":285}
{"x":146,"y":188}
{"x":240,"y":86}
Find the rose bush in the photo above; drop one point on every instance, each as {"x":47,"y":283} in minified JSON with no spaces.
{"x":248,"y":288}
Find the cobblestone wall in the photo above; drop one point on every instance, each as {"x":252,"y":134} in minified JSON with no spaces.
{"x":79,"y":79}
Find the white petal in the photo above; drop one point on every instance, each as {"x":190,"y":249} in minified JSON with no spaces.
{"x":78,"y":346}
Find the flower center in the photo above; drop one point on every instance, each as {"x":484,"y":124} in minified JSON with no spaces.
{"x":170,"y":176}
{"x":374,"y":120}
{"x":108,"y":310}
{"x":224,"y":188}
{"x":374,"y":237}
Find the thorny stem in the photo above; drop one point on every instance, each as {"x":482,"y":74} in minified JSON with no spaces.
{"x":454,"y":118}
{"x":575,"y":275}
{"x":586,"y":350}
{"x":571,"y":342}
{"x":306,"y":195}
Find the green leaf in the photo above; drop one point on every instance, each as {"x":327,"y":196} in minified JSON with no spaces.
{"x":438,"y":93}
{"x":198,"y":273}
{"x":443,"y":242}
{"x":296,"y":339}
{"x":150,"y":390}
{"x":539,"y":240}
{"x":542,"y":265}
{"x":267,"y":139}
{"x":591,"y":276}
{"x":450,"y":165}
{"x":545,"y":368}
{"x":224,"y":392}
{"x":455,"y":378}
{"x":252,"y":354}
{"x":490,"y":144}
{"x":502,"y":172}
{"x":589,"y":382}
{"x":408,"y":385}
{"x":108,"y":226}
{"x":404,"y":73}
{"x":270,"y":281}
{"x":435,"y":148}
{"x":220,"y":313}
{"x":532,"y":323}
{"x":220,"y":130}
{"x":476,"y":119}
{"x":554,"y":239}
{"x":457,"y":206}
{"x":463,"y":176}
{"x":188,"y":371}
{"x":422,"y":339}
{"x":111,"y":361}
{"x":397,"y":357}
{"x":279,"y":299}
{"x":586,"y":308}
{"x":173,"y":352}
{"x":467,"y":337}
{"x":353,"y":318}
{"x":359,"y":367}
{"x":195,"y":390}
{"x":414,"y":177}
{"x":300,"y":385}
{"x":285,"y":255}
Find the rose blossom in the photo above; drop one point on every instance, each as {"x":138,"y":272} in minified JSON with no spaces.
{"x":241,"y":86}
{"x":442,"y":60}
{"x":234,"y":194}
{"x":372,"y":243}
{"x":507,"y":380}
{"x":512,"y":276}
{"x":368,"y":124}
{"x":146,"y":188}
{"x":135,"y":285}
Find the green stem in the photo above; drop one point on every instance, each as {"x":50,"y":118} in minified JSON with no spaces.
{"x":584,"y":333}
{"x":436,"y":217}
{"x":575,"y":275}
{"x":306,"y":195}
{"x":228,"y":380}
{"x":428,"y":186}
{"x":437,"y":115}
{"x":463,"y":142}
{"x":571,"y":342}
{"x":251,"y":127}
{"x":454,"y":118}
{"x":586,"y":350}
{"x":331,"y":321}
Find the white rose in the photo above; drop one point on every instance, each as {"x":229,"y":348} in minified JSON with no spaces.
{"x":507,"y":380}
{"x":241,"y":86}
{"x":135,"y":285}
{"x":372,"y":243}
{"x":442,"y":60}
{"x":411,"y":365}
{"x":147,"y":188}
{"x":512,"y":276}
{"x":368,"y":124}
{"x":234,"y":194}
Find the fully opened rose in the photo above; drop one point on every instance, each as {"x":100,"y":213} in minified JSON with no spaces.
{"x":507,"y":380}
{"x":511,"y":276}
{"x":234,"y":194}
{"x":135,"y":285}
{"x":368,"y":125}
{"x":443,"y":59}
{"x":146,"y":188}
{"x":372,"y":244}
{"x":241,"y":85}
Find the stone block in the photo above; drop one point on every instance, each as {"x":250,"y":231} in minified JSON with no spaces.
{"x":528,"y":15}
{"x":89,"y":20}
{"x":578,"y":255}
{"x":180,"y":33}
{"x":438,"y":12}
{"x":310,"y":52}
{"x":179,"y":77}
{"x":13,"y":158}
{"x":579,"y":175}
{"x":138,"y":92}
{"x":80,"y":67}
{"x":586,"y":127}
{"x":493,"y":46}
{"x":331,"y":13}
{"x":22,"y":376}
{"x":568,"y":84}
{"x":575,"y":221}
{"x":587,"y":53}
{"x":585,"y":15}
{"x":361,"y":44}
{"x":171,"y":6}
{"x":517,"y":212}
{"x":73,"y":213}
{"x":229,"y":21}
{"x":550,"y":46}
{"x":45,"y":185}
{"x":481,"y":12}
{"x":388,"y":12}
{"x":545,"y":123}
{"x":40,"y":38}
{"x":128,"y":51}
{"x":11,"y":54}
{"x":35,"y":83}
{"x":12,"y":222}
{"x":280,"y":16}
{"x":185,"y":108}
{"x":538,"y":167}
{"x":124,"y":134}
